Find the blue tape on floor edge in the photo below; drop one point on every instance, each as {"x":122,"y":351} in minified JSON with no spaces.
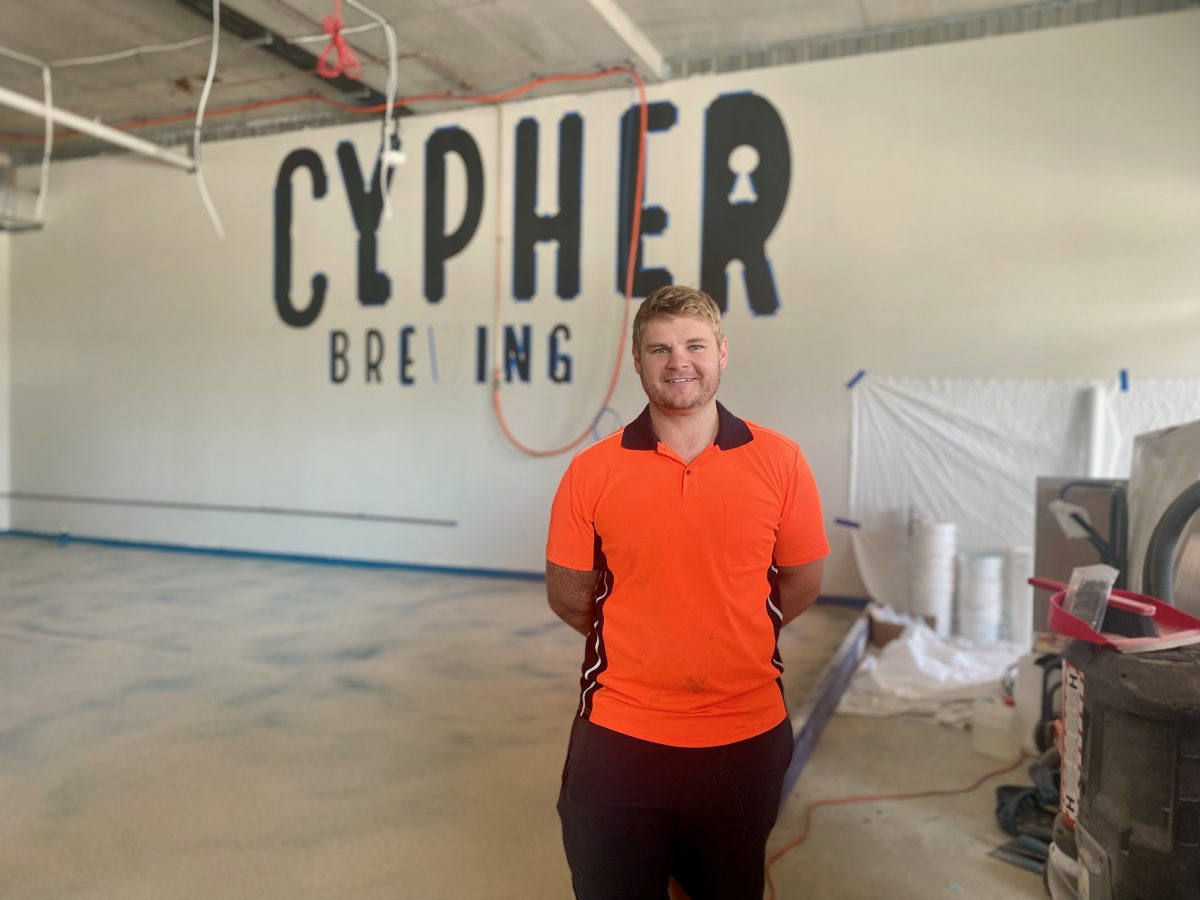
{"x":852,"y":602}
{"x":66,"y":539}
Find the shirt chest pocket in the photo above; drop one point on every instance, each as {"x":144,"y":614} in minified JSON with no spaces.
{"x":750,"y":525}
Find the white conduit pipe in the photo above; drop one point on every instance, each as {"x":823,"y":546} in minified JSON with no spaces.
{"x":39,"y":210}
{"x":48,"y":143}
{"x":126,"y":54}
{"x":86,"y":126}
{"x":384,"y":162}
{"x":192,"y":42}
{"x":212,"y":71}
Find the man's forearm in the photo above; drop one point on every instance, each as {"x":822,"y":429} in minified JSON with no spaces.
{"x":799,"y":587}
{"x":572,"y":595}
{"x":793,"y":603}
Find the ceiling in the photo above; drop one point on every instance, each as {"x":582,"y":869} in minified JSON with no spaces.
{"x":267,"y":82}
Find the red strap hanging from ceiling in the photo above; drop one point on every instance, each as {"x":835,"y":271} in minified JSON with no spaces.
{"x":346,"y":62}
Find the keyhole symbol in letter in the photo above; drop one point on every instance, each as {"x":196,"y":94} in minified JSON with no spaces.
{"x":743,"y":160}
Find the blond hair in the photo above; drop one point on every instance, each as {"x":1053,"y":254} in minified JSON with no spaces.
{"x":672,"y":301}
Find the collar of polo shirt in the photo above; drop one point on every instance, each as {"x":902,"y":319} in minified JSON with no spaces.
{"x":731,"y":431}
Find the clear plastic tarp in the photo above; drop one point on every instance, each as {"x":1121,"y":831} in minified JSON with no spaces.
{"x":921,"y":675}
{"x":970,"y":451}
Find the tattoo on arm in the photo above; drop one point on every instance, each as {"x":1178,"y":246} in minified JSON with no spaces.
{"x":572,"y":595}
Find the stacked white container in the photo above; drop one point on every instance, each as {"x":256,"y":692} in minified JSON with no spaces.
{"x":931,"y":573}
{"x":1020,"y":596}
{"x":981,"y":596}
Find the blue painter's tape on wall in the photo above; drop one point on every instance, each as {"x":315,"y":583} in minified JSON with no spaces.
{"x":1124,"y":379}
{"x":858,"y":376}
{"x":847,"y":523}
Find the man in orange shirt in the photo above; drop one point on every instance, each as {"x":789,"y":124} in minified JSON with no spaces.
{"x":679,"y":546}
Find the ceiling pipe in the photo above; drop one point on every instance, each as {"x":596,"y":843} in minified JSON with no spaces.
{"x":95,"y":129}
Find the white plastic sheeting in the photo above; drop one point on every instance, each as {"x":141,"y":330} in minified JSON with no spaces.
{"x":922,"y":675}
{"x":970,"y":451}
{"x":1148,"y":406}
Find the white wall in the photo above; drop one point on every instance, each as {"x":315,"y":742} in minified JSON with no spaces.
{"x":1025,"y":206}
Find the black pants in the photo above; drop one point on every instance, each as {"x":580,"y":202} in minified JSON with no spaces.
{"x":634,"y":813}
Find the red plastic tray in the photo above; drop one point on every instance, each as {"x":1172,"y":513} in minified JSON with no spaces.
{"x":1175,"y":627}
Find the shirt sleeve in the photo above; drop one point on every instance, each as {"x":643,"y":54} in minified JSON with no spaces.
{"x":801,"y":537}
{"x":572,"y":539}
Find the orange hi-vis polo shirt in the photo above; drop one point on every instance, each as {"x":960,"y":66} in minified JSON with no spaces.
{"x":684,"y":647}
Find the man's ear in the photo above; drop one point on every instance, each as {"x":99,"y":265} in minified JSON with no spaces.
{"x":637,"y":361}
{"x":723,"y":353}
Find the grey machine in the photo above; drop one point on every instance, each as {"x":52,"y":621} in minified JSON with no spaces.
{"x":1137,"y":830}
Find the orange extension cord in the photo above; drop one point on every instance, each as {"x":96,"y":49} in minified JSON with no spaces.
{"x":631,"y":264}
{"x":635,"y":230}
{"x":872,"y":798}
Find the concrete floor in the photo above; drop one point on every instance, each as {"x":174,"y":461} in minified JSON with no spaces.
{"x":185,"y":726}
{"x":898,"y":850}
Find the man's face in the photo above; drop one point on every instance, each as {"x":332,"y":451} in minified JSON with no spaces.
{"x":680,"y":362}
